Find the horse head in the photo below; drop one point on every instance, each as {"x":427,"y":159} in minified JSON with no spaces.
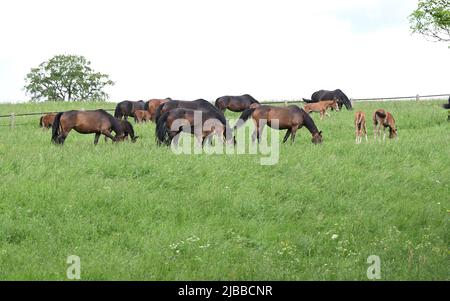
{"x":317,"y":138}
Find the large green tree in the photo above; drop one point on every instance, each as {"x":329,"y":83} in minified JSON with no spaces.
{"x":432,"y":19}
{"x":66,"y":78}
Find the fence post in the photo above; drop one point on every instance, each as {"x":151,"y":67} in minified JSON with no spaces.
{"x":285,"y":103}
{"x":417,"y":97}
{"x":12,"y":120}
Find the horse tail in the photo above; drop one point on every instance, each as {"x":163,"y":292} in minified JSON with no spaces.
{"x":146,"y":104}
{"x":161,"y":129}
{"x":56,"y":126}
{"x":244,"y":117}
{"x":158,"y":112}
{"x":41,"y":124}
{"x":117,"y":112}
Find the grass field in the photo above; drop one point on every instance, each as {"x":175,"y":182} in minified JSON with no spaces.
{"x":139,"y":212}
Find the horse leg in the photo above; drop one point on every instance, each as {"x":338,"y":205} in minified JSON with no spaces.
{"x":356,"y":133}
{"x":108,"y":134}
{"x":375,"y":130}
{"x":97,"y":135}
{"x":260,"y":130}
{"x":384,"y":133}
{"x":365,"y":131}
{"x":288,"y":133}
{"x":255,"y":132}
{"x":294,"y":133}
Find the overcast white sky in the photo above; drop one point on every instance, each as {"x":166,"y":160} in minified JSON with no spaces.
{"x":277,"y":49}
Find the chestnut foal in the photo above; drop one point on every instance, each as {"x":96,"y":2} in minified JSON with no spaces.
{"x":321,"y":107}
{"x":382,"y":118}
{"x":141,"y":116}
{"x":360,"y":126}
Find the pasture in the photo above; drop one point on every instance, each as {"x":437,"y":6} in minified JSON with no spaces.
{"x":140,"y":212}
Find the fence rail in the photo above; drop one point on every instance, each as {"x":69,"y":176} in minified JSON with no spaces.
{"x":13,"y":116}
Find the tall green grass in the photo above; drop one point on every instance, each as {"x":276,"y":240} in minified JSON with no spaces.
{"x":139,"y":212}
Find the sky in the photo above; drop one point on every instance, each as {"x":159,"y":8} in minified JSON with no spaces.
{"x":273,"y":50}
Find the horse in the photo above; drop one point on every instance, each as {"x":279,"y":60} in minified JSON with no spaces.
{"x":360,"y":126}
{"x":141,"y":116}
{"x":235,"y":103}
{"x":291,"y":118}
{"x":321,"y":107}
{"x":46,"y":121}
{"x":153,"y":104}
{"x":325,"y":95}
{"x":86,"y":122}
{"x":384,"y":119}
{"x":178,"y":120}
{"x":127,"y":108}
{"x":196,"y":105}
{"x":127,"y":129}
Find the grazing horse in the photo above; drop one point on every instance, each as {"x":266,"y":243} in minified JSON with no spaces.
{"x":47,"y":120}
{"x":86,"y":122}
{"x":384,"y":119}
{"x":325,"y":95}
{"x":141,"y":116}
{"x":235,"y":103}
{"x":185,"y":121}
{"x":153,"y":104}
{"x":127,"y":108}
{"x":196,"y":105}
{"x":291,"y":118}
{"x":321,"y":107}
{"x":360,"y":126}
{"x":127,"y":129}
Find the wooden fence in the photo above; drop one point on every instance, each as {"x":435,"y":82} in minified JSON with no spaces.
{"x":12,"y":116}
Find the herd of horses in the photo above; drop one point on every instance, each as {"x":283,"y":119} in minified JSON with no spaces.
{"x":175,"y":116}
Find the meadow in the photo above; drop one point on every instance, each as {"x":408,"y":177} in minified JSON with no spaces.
{"x":140,"y":212}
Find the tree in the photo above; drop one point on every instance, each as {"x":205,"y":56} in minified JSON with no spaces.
{"x":66,"y":78}
{"x":432,"y":19}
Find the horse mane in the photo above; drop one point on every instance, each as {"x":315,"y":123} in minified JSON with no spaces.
{"x":309,"y":122}
{"x":115,"y":124}
{"x":344,"y":98}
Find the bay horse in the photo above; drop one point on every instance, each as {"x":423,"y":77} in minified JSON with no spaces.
{"x":141,"y":116}
{"x":47,"y":120}
{"x":127,"y":129}
{"x":153,"y":104}
{"x":382,"y":118}
{"x":208,"y":125}
{"x":127,"y":108}
{"x":196,"y":105}
{"x":360,"y":126}
{"x":321,"y":107}
{"x":86,"y":122}
{"x":290,"y":118}
{"x":325,"y":95}
{"x":235,"y":103}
